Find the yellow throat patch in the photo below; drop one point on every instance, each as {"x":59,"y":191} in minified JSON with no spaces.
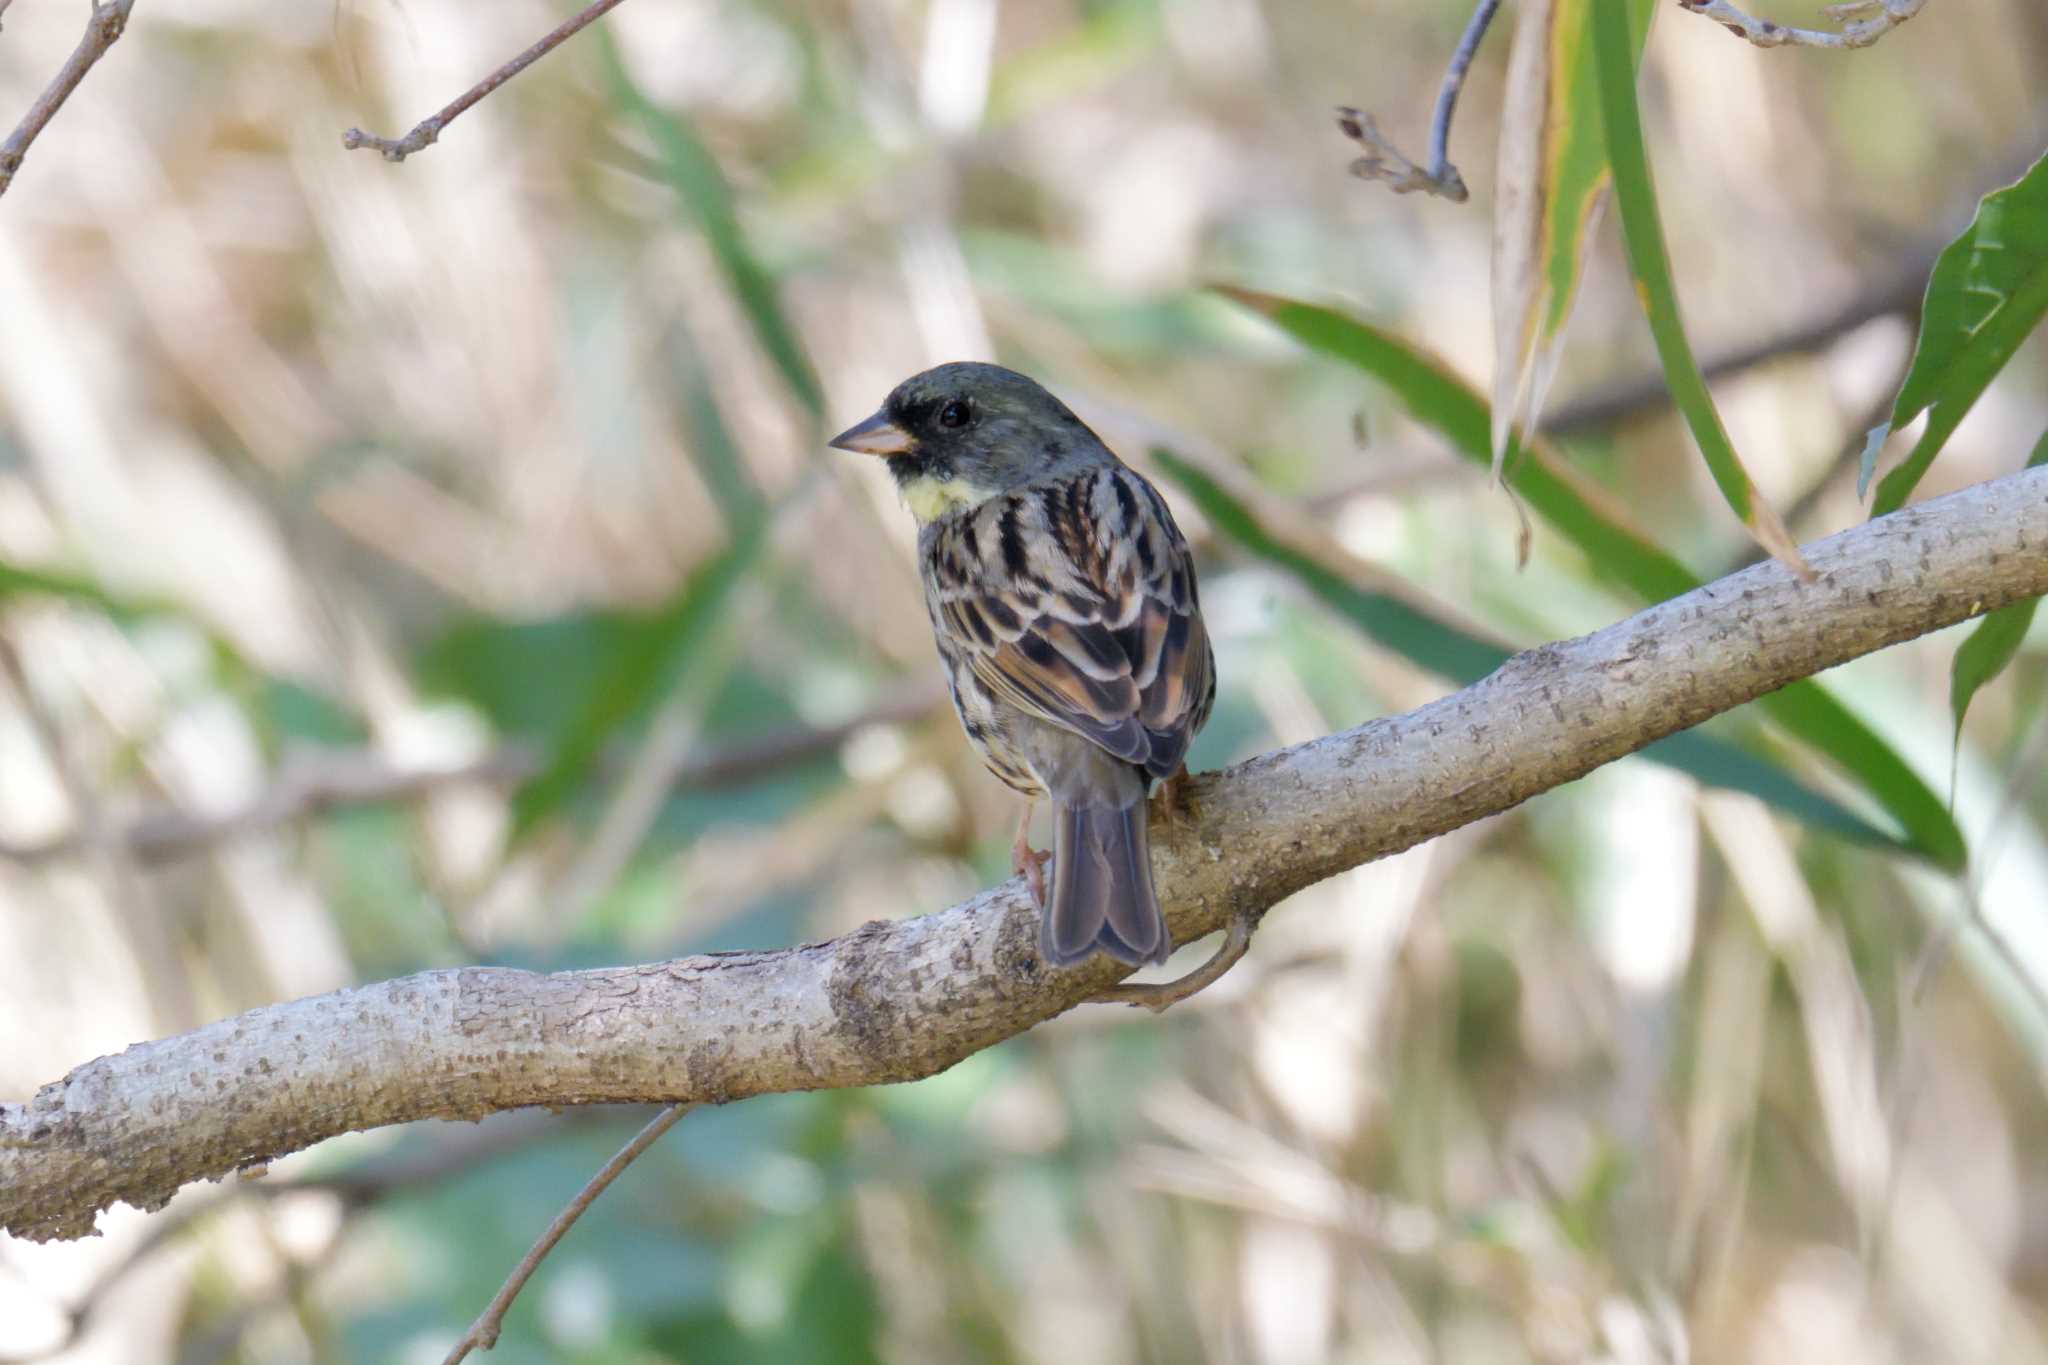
{"x":929,"y":499}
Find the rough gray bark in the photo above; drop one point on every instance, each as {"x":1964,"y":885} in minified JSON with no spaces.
{"x":898,"y":1000}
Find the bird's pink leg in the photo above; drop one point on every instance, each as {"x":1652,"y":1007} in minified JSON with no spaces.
{"x":1028,"y":860}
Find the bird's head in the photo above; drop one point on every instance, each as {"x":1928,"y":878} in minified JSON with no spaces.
{"x":960,"y":434}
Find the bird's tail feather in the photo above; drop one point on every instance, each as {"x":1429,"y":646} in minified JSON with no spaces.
{"x":1102,"y":893}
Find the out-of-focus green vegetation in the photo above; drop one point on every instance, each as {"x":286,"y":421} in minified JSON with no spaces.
{"x":507,"y":461}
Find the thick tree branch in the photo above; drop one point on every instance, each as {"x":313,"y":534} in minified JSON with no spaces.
{"x":897,"y":1001}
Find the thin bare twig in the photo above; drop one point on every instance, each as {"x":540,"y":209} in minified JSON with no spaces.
{"x":1384,"y":163}
{"x":1862,"y":23}
{"x":483,"y":1333}
{"x":109,"y":19}
{"x":428,"y":130}
{"x":358,"y":1187}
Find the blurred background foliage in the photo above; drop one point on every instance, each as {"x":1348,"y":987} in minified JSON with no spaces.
{"x":405,"y":566}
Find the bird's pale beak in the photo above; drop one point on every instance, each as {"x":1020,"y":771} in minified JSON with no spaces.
{"x":876,"y":436}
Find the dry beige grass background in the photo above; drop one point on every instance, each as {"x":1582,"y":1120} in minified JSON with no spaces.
{"x":1640,"y":1072}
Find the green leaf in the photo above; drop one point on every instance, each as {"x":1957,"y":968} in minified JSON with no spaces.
{"x":1436,"y":397}
{"x":1465,"y":659}
{"x":528,"y":677}
{"x":1995,"y":642}
{"x":1398,"y":625}
{"x":1585,"y":1215}
{"x":1551,"y":179}
{"x":1988,"y":291}
{"x":1991,"y":647}
{"x":123,"y":608}
{"x":1615,"y":60}
{"x":654,"y":653}
{"x":1721,"y":763}
{"x":16,"y":581}
{"x":694,"y":175}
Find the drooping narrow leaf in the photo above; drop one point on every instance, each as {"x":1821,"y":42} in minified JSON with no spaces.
{"x":693,"y":173}
{"x":1409,"y":632}
{"x":1642,"y":232}
{"x":1988,"y":291}
{"x":1995,"y":642}
{"x":1463,"y":658}
{"x":1549,"y":182}
{"x":1436,"y":397}
{"x":1991,"y":647}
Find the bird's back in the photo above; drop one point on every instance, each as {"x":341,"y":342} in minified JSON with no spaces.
{"x":1072,"y":600}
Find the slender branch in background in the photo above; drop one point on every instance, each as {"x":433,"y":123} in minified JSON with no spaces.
{"x":1862,"y":22}
{"x":334,"y":781}
{"x":109,"y":19}
{"x":1896,"y":292}
{"x":483,"y":1333}
{"x":1384,"y":163}
{"x":162,"y":968}
{"x":1615,"y":403}
{"x":428,"y":130}
{"x":449,"y":1154}
{"x":896,"y":1001}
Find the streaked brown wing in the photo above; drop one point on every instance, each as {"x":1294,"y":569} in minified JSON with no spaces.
{"x":1075,"y":601}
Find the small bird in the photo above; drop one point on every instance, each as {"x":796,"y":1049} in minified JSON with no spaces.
{"x":1063,"y":600}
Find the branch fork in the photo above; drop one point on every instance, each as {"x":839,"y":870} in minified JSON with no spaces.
{"x":1859,"y":23}
{"x":427,"y":131}
{"x":1384,"y":163}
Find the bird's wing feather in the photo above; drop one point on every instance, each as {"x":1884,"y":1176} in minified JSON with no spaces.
{"x":1074,"y":600}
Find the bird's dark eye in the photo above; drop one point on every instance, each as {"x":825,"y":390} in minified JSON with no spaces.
{"x":955,"y":413}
